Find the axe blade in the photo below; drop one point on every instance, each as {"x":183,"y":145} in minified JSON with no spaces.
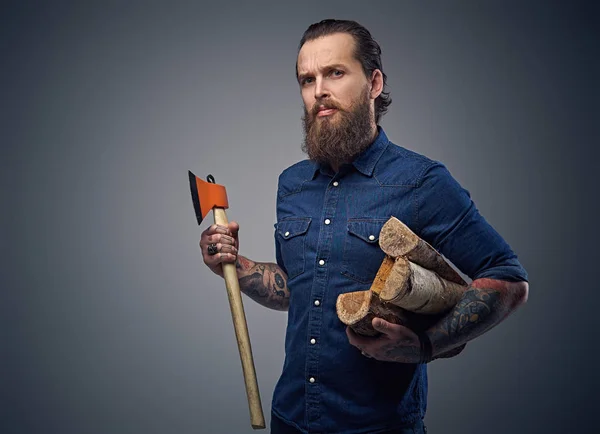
{"x":206,"y":196}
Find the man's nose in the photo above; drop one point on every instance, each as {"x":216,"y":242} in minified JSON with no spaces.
{"x":321,"y":90}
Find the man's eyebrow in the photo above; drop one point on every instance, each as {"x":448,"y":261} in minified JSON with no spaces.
{"x":335,"y":66}
{"x":303,"y":75}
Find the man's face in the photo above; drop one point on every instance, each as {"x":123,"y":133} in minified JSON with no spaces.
{"x":339,"y":111}
{"x":329,"y":75}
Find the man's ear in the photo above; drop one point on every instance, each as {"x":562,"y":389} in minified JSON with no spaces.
{"x":376,"y":83}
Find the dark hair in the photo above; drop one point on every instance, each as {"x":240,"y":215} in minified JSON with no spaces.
{"x":367,"y":52}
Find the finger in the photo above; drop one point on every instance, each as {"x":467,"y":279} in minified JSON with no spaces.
{"x":234,"y":228}
{"x":219,"y":257}
{"x":354,"y":338}
{"x":209,"y":233}
{"x":226,"y":257}
{"x":226,"y":248}
{"x":383,"y":326}
{"x":220,"y":238}
{"x":212,"y":229}
{"x":218,"y":229}
{"x":220,"y":248}
{"x":350,"y":333}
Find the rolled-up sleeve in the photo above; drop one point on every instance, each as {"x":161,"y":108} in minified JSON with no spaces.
{"x":448,"y":219}
{"x":278,"y":256}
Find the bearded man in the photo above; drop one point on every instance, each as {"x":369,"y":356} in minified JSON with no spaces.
{"x":330,"y":209}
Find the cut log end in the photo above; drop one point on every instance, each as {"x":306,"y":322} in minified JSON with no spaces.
{"x":352,"y":307}
{"x":357,"y":310}
{"x":396,"y":239}
{"x":397,"y":283}
{"x":382,"y":275}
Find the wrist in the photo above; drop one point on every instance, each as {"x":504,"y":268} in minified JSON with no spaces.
{"x":426,"y":351}
{"x":243,"y":265}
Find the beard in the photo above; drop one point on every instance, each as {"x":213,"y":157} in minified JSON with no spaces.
{"x":338,"y":141}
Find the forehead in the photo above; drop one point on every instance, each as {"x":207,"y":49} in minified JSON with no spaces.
{"x":337,"y":48}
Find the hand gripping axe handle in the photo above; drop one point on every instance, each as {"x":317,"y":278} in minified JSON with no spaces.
{"x":207,"y":196}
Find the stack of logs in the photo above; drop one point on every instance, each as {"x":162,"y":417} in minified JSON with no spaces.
{"x":414,"y":286}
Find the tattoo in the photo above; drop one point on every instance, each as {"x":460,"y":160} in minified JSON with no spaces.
{"x":243,"y":263}
{"x":475,"y":312}
{"x":265,"y":283}
{"x":401,"y":351}
{"x":279,"y":280}
{"x":252,"y":285}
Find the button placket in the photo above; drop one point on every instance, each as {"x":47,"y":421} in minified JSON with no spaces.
{"x":315,"y":316}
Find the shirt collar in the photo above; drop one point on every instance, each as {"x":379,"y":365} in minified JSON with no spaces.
{"x":365,"y":162}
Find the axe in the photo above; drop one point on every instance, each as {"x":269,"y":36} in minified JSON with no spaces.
{"x":207,"y":196}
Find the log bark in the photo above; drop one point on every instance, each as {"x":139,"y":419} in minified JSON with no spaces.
{"x":414,"y":288}
{"x":396,"y":239}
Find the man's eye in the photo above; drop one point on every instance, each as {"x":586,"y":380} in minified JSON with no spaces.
{"x":307,"y":81}
{"x":337,"y":73}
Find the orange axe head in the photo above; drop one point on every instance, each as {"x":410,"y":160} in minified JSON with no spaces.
{"x":206,"y":195}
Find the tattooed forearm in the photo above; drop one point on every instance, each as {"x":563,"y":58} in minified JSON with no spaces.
{"x":264,"y":283}
{"x":484,"y":305}
{"x":475,"y":313}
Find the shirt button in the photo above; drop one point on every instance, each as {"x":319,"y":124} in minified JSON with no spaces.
{"x":313,"y":341}
{"x":335,"y":183}
{"x":321,"y":262}
{"x":317,"y":302}
{"x":371,"y":237}
{"x":312,"y":379}
{"x":327,"y":221}
{"x":286,"y":234}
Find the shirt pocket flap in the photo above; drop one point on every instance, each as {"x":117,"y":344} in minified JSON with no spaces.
{"x":293,"y":227}
{"x":366,"y":230}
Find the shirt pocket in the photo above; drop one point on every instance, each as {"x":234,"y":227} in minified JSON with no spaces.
{"x":292,"y":234}
{"x":362,"y":255}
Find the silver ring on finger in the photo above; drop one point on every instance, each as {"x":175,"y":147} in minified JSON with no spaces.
{"x":212,"y":249}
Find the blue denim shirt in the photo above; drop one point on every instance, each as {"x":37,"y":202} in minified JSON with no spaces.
{"x":326,"y":239}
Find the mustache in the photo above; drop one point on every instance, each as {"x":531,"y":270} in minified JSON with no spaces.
{"x":327,"y":105}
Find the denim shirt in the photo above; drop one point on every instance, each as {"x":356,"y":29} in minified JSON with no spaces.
{"x":326,"y":239}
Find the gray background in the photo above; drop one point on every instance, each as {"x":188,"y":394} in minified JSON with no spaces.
{"x":109,"y":320}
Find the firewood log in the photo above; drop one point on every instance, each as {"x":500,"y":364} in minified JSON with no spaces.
{"x":415,"y":286}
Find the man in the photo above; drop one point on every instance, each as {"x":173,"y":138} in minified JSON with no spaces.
{"x":330,"y":209}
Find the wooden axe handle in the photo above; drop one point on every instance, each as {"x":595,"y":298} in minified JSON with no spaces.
{"x":257,"y":418}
